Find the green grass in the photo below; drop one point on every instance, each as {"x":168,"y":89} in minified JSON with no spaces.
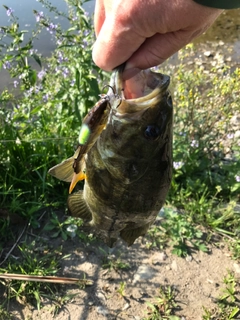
{"x":185,"y":236}
{"x":113,"y":262}
{"x":228,"y":303}
{"x":205,"y":187}
{"x":227,"y":306}
{"x":4,"y":314}
{"x":39,"y":125}
{"x":40,"y":120}
{"x":36,"y":259}
{"x":164,"y":305}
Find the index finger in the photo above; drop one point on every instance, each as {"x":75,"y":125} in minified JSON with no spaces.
{"x":115,"y":44}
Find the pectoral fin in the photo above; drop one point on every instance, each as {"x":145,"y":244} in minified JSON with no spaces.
{"x":78,"y":207}
{"x":64,"y":170}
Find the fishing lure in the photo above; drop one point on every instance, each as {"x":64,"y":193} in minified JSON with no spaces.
{"x":93,"y":124}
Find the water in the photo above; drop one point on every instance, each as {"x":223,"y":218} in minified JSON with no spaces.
{"x":24,"y":11}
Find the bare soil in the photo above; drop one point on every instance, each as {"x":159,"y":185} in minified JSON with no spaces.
{"x":197,"y":281}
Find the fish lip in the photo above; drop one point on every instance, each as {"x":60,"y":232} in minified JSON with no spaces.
{"x":158,"y":82}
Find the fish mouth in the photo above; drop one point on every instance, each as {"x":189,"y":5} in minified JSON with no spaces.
{"x":137,"y":84}
{"x":137,"y":89}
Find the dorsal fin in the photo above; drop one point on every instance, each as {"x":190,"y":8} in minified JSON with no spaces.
{"x":78,"y":206}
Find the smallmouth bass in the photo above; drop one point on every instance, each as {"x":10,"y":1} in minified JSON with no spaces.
{"x":129,"y":166}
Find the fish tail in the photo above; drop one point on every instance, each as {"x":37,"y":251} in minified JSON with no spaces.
{"x":130,"y":235}
{"x":78,"y":206}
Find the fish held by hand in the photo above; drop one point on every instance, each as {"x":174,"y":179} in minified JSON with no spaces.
{"x":129,"y":168}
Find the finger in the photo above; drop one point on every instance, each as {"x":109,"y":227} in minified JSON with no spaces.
{"x":158,"y":48}
{"x":99,"y":16}
{"x":115,"y":44}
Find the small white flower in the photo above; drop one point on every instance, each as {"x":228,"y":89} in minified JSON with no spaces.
{"x":194,"y":144}
{"x":178,"y":165}
{"x":71,"y":229}
{"x":230,"y":135}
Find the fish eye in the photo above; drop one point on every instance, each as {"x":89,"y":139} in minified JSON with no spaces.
{"x":152,"y":132}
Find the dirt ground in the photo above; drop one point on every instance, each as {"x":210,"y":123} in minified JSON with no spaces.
{"x":196,"y":279}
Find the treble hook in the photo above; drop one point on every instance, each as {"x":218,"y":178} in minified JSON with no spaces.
{"x":114,"y":92}
{"x":108,"y":86}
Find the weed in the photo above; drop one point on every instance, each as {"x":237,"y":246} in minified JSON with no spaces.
{"x":40,"y":118}
{"x":230,"y":289}
{"x":39,"y":122}
{"x":121,"y":289}
{"x":164,"y":305}
{"x":68,"y":228}
{"x":60,"y":301}
{"x":205,"y":148}
{"x":32,"y":262}
{"x":228,"y":304}
{"x":4,"y":314}
{"x":234,"y":246}
{"x":178,"y":228}
{"x":111,"y":262}
{"x":205,"y":186}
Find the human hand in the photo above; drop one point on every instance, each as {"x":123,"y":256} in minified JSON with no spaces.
{"x":146,"y":33}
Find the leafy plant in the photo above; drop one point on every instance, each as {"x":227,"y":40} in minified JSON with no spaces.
{"x":228,"y":303}
{"x":205,"y":148}
{"x":68,"y":228}
{"x":178,"y":228}
{"x":40,"y":117}
{"x":234,"y":246}
{"x":111,"y":262}
{"x":164,"y":305}
{"x":32,"y":262}
{"x":121,"y":289}
{"x":4,"y":314}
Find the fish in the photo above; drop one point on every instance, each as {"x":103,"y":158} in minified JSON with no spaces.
{"x":72,"y":169}
{"x":129,"y":167}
